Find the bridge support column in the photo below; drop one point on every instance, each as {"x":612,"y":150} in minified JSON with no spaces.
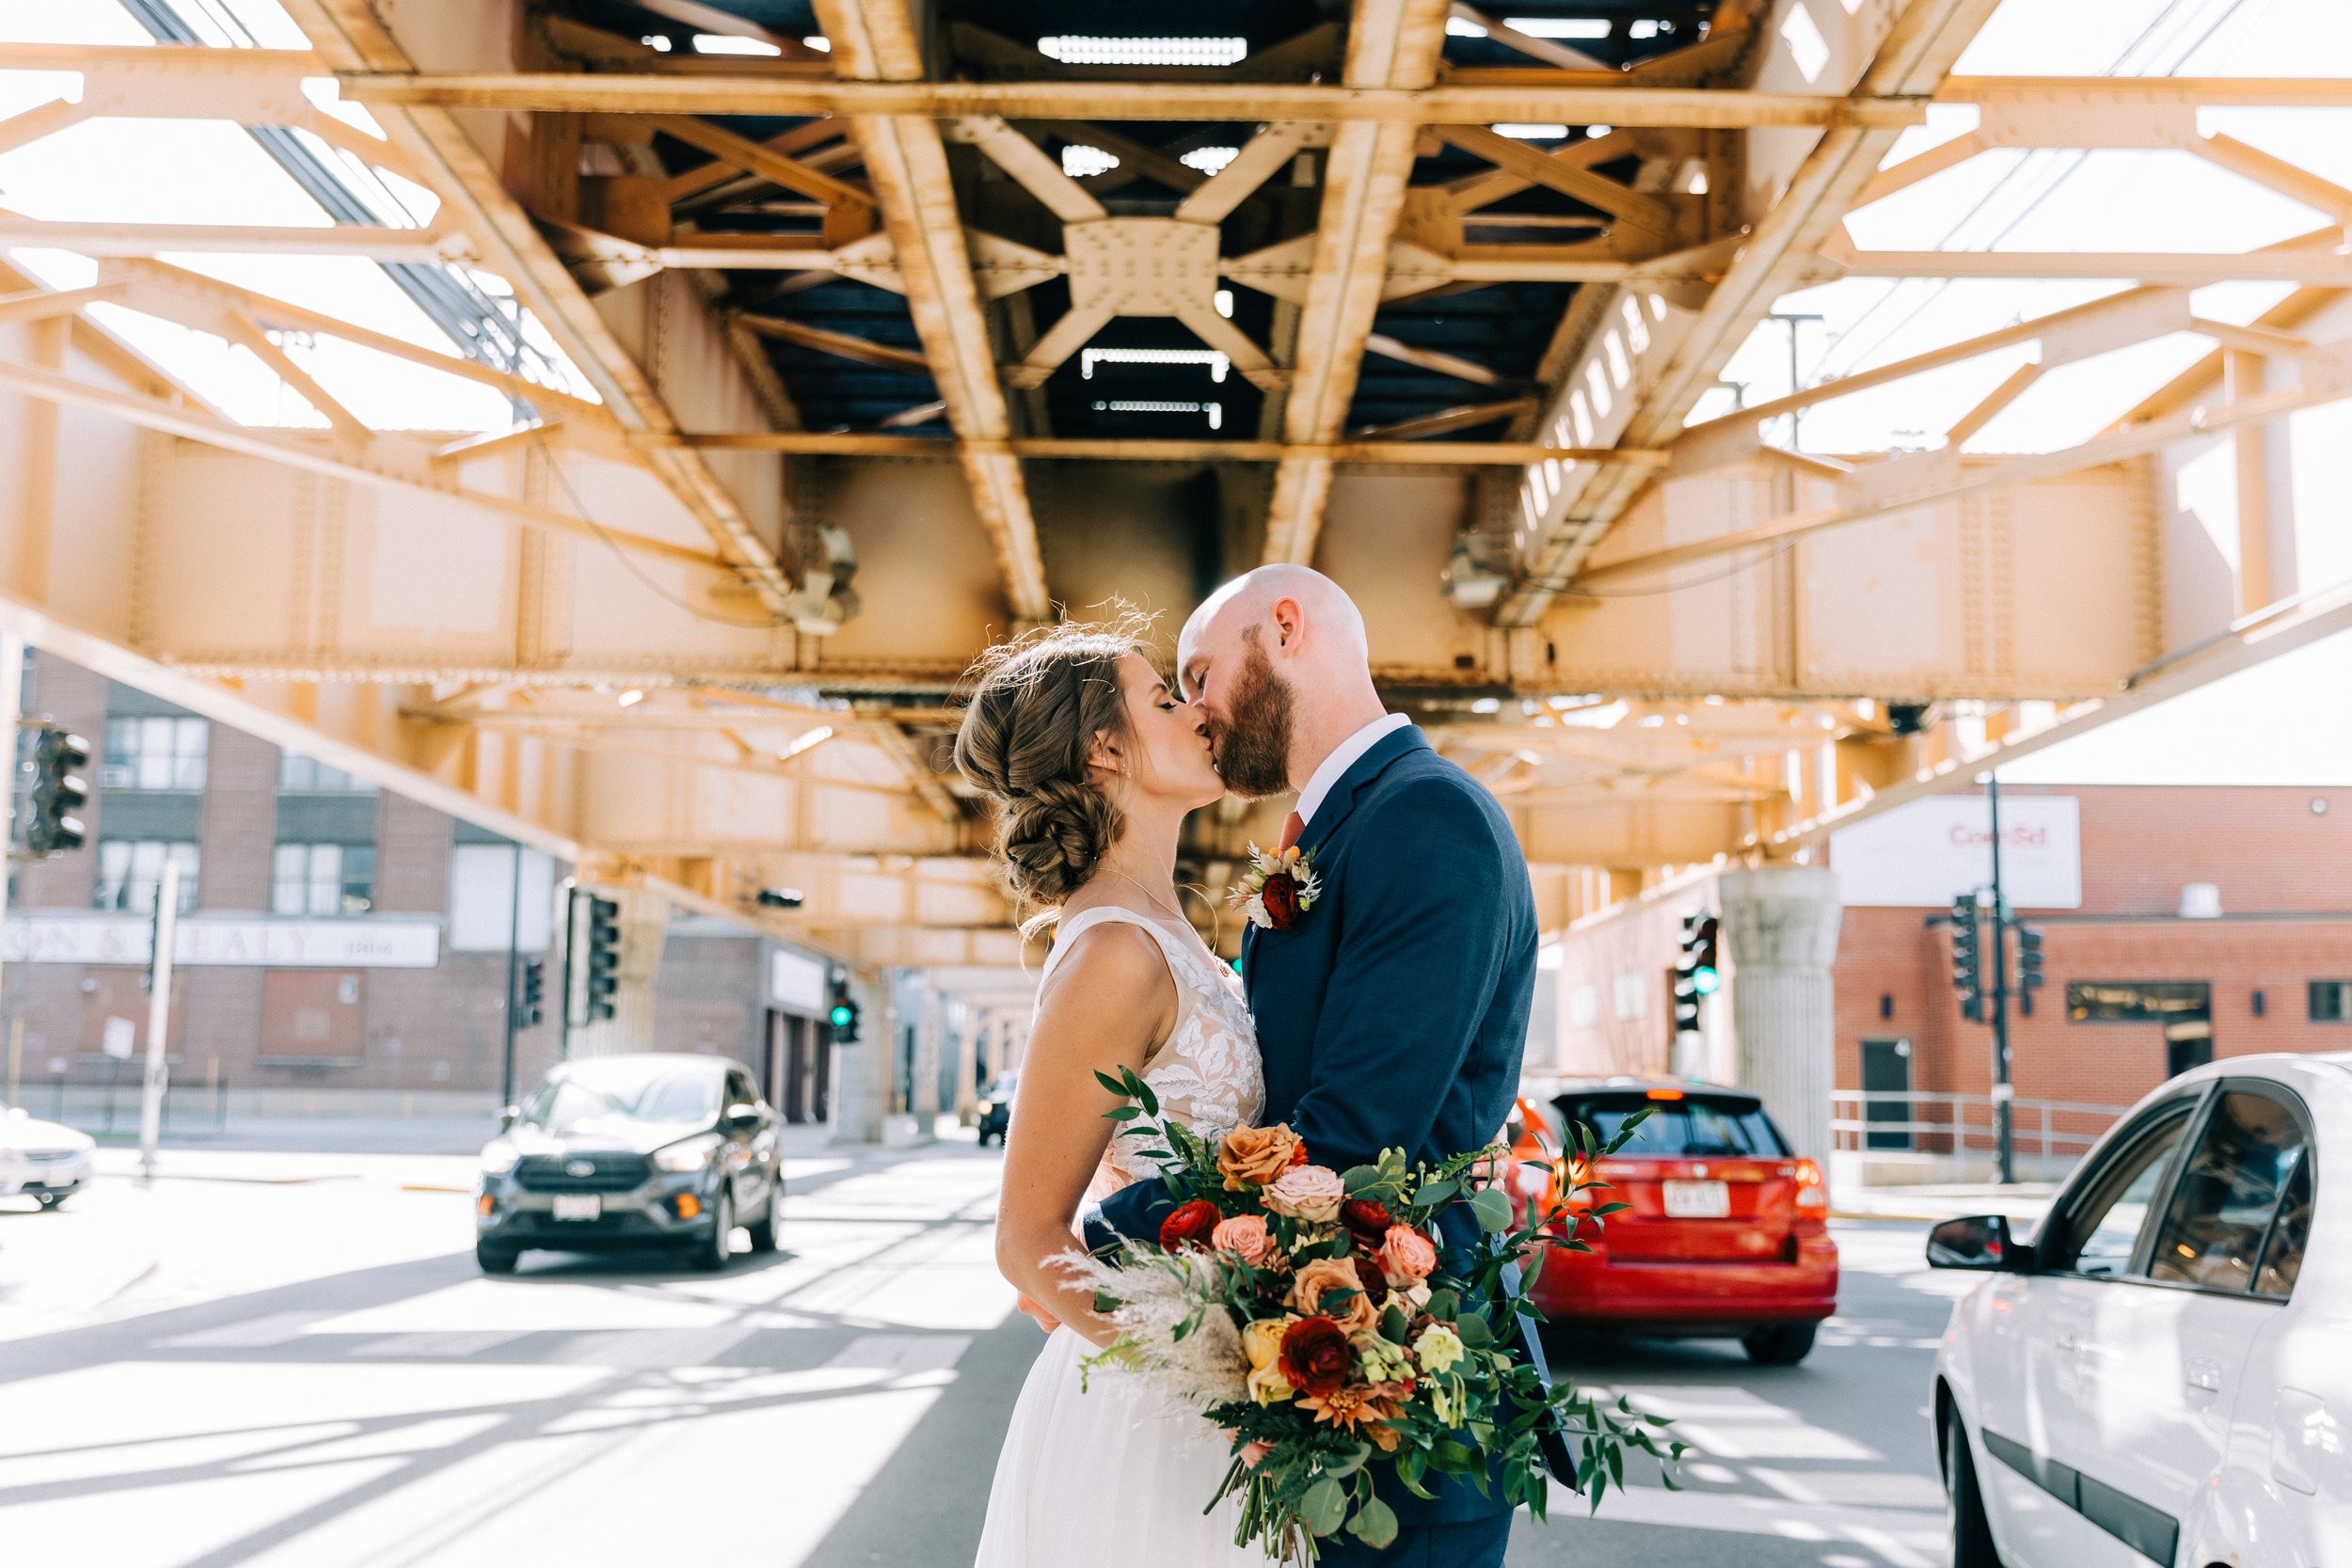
{"x":860,"y":1072}
{"x":1780,"y":930}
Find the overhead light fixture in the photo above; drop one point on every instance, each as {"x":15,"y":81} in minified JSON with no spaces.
{"x":822,"y":44}
{"x":1210,"y":160}
{"x":806,"y":740}
{"x":1072,"y":49}
{"x":729,"y":43}
{"x":1218,"y":364}
{"x":632,"y":697}
{"x":1559,"y":27}
{"x":1081,"y":161}
{"x":1544,"y":131}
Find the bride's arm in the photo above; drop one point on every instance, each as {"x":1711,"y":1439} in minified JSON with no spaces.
{"x":1110,"y":1001}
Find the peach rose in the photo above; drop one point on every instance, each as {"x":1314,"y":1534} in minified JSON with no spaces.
{"x":1406,"y":1257}
{"x":1326,"y":1277}
{"x":1244,"y":1235}
{"x":1311,"y":1192}
{"x":1253,"y":1156}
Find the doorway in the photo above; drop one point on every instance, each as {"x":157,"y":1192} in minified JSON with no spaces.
{"x":1886,"y":1071}
{"x":800,"y":1068}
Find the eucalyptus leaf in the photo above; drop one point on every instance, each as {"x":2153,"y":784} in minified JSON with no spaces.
{"x":1493,"y":1208}
{"x":1357,"y":1179}
{"x":1443,"y":1304}
{"x":1375,"y":1524}
{"x":1394,"y":1325}
{"x":1474,"y":1330}
{"x":1324,"y":1508}
{"x":1436,"y":1193}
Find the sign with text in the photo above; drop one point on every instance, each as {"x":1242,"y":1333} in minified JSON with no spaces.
{"x":260,"y":941}
{"x":797,"y":983}
{"x":1925,"y":854}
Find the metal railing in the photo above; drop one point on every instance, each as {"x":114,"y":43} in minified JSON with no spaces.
{"x":1916,"y":1121}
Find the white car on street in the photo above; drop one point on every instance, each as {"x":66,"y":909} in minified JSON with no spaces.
{"x":42,"y":1160}
{"x":2164,"y":1375}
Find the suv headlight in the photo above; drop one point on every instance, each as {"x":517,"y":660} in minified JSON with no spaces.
{"x":499,"y":1158}
{"x":693,"y":1154}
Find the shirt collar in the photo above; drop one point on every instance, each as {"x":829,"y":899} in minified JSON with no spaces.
{"x":1344,"y":756}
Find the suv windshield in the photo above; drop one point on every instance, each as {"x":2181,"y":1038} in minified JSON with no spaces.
{"x":1694,"y":1126}
{"x":639,"y":1091}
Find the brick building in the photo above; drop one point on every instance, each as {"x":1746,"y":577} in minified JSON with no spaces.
{"x":341,"y":947}
{"x":2178,"y":925}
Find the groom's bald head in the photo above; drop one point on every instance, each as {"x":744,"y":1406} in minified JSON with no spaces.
{"x":1274,"y":659}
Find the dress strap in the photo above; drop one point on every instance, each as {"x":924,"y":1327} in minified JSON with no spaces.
{"x":1067,"y":933}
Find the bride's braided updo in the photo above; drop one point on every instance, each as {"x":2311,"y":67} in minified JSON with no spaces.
{"x":1040,"y":705}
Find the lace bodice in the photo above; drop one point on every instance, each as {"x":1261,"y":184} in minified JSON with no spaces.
{"x":1207,"y":1072}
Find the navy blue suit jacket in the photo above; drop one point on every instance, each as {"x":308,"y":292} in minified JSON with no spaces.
{"x":1393,"y":1015}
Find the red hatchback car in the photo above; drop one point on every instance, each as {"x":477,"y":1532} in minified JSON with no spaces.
{"x":1727,"y":1232}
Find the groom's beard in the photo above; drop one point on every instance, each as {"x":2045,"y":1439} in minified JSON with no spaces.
{"x":1253,"y":749}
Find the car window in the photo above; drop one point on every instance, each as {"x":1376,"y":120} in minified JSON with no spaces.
{"x":2101,"y":1227}
{"x":2282,"y":1255}
{"x":740,"y":1090}
{"x":2222,"y":1209}
{"x":1692,"y":1127}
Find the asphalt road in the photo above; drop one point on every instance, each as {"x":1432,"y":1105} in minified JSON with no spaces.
{"x":291,"y":1361}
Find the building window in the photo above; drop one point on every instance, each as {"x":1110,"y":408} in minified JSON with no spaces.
{"x":2331,"y":1000}
{"x":130,"y":870}
{"x":1629,"y":993}
{"x":154,"y":753}
{"x":2139,"y":1001}
{"x":1584,"y":1008}
{"x":301,"y":775}
{"x":323,"y":878}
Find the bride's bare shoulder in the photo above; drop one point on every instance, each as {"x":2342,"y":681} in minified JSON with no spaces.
{"x":1112,"y":963}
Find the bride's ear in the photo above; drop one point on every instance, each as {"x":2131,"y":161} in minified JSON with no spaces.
{"x":1105,"y":755}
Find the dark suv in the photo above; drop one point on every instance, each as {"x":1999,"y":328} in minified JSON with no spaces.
{"x":622,"y":1153}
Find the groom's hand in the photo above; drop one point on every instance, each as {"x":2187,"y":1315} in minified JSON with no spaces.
{"x":1039,"y":1315}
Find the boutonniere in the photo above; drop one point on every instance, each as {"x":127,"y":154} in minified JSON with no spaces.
{"x":1279,"y":887}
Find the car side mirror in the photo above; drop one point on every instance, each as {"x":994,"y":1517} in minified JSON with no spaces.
{"x":1979,"y":1241}
{"x":508,"y":1116}
{"x":741,"y":1118}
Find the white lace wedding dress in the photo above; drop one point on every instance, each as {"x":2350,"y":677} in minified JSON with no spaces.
{"x":1112,"y":1474}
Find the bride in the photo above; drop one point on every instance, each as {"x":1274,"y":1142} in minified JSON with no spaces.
{"x":1094,"y":763}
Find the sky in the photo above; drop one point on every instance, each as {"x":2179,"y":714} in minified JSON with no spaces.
{"x":2269,"y":725}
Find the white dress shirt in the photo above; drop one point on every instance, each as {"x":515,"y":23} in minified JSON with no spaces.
{"x":1343,"y":757}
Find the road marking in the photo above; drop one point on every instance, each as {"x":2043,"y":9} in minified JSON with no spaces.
{"x":435,"y":1347}
{"x":1907,"y":1536}
{"x":278,"y":1328}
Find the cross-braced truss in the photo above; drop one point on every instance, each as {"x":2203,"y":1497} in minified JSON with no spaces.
{"x":1429,"y":296}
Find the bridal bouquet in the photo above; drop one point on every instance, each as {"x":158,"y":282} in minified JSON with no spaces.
{"x":1315,"y":1316}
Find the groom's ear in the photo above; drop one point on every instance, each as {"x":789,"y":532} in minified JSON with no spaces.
{"x":1288,"y":621}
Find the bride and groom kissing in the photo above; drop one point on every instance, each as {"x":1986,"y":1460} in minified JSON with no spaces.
{"x":1387,"y":1011}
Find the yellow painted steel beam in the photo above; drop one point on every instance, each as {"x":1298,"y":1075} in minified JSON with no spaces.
{"x":1442,"y":454}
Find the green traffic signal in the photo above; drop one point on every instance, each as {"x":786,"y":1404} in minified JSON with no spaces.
{"x":1706,"y":982}
{"x":841,"y":1015}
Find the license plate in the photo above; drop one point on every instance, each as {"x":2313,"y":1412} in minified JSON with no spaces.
{"x":588,"y":1206}
{"x":1697,"y":1200}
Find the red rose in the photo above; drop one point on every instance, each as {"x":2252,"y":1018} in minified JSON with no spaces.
{"x":1366,"y":1221}
{"x":1280,"y":895}
{"x":1189,"y":1225}
{"x":1315,"y":1356}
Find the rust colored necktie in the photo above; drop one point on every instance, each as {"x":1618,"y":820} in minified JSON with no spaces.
{"x":1293,"y":826}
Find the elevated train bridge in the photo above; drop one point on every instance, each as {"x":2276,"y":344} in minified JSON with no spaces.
{"x":777,"y":356}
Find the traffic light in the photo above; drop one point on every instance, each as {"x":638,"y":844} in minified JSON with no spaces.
{"x":60,"y":788}
{"x":1967,"y":958}
{"x":1697,"y":977}
{"x":2029,"y":975}
{"x":603,"y":956}
{"x":535,"y":993}
{"x":842,"y":1015}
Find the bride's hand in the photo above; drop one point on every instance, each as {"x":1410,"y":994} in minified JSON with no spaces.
{"x":1039,"y":1315}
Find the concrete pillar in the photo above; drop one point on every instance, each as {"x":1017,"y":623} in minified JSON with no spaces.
{"x":1780,"y":933}
{"x":923,"y":1100}
{"x":644,"y":929}
{"x":965,"y":1025}
{"x":860,"y":1072}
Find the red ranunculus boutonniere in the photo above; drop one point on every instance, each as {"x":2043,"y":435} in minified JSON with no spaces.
{"x":1278,"y":888}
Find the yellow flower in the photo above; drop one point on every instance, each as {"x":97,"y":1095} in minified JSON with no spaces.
{"x":1261,"y":1341}
{"x":1437,"y":1348}
{"x":1267,"y":1386}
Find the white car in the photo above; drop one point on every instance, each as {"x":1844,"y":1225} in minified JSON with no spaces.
{"x":41,"y":1159}
{"x":2164,"y":1375}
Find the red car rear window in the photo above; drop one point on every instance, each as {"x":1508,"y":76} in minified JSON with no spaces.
{"x":1698,"y":1125}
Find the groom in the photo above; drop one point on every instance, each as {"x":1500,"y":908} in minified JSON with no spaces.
{"x":1394,"y":1013}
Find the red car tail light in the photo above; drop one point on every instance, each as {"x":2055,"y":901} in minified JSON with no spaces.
{"x":1812,"y":1191}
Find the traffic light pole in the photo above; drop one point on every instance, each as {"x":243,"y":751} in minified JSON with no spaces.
{"x":513,"y":963}
{"x":2004,"y":1092}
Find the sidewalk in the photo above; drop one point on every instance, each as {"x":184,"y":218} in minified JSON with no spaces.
{"x":1928,"y":1205}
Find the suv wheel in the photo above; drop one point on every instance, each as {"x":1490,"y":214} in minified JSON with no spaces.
{"x":495,"y":1259}
{"x":1779,"y":1344}
{"x":1972,"y":1537}
{"x":763,"y":1230}
{"x":710,"y":1256}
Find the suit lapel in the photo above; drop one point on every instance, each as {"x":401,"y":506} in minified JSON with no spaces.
{"x":1342,"y":801}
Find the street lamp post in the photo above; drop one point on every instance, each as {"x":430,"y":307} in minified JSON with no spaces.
{"x":2004,"y":1092}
